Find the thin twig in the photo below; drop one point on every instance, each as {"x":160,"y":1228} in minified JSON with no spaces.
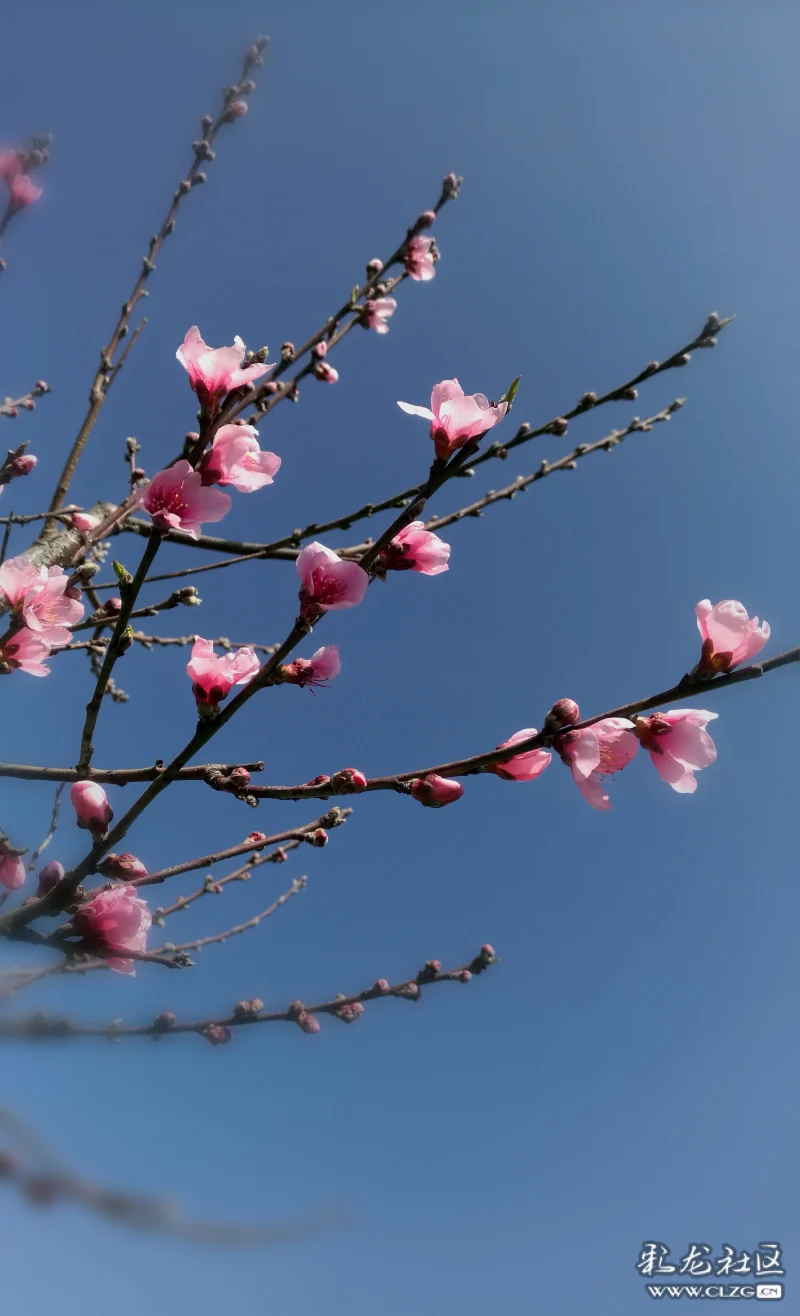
{"x":51,"y":831}
{"x":218,"y":1030}
{"x":107,"y":370}
{"x":122,"y":776}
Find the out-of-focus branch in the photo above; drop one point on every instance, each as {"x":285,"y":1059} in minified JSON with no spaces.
{"x":109,"y":369}
{"x":218,"y":1031}
{"x":43,"y":1179}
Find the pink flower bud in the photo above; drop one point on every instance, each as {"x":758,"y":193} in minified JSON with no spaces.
{"x":348,"y":781}
{"x":434,"y":791}
{"x":308,"y":1023}
{"x":12,"y":872}
{"x":124,"y":866}
{"x":237,"y":110}
{"x":49,"y":876}
{"x":84,"y":521}
{"x":464,"y":976}
{"x":240,"y":777}
{"x":451,"y":184}
{"x":164,"y":1021}
{"x":317,"y":838}
{"x":349,"y":1013}
{"x":217,"y":1034}
{"x":487,"y":951}
{"x":381,"y":985}
{"x":256,"y":836}
{"x":426,"y":219}
{"x":91,"y":806}
{"x":564,"y":713}
{"x":327,"y":374}
{"x":559,"y":426}
{"x":319,"y":350}
{"x":24,"y":464}
{"x":374,"y":267}
{"x":321,"y":780}
{"x":410,"y":992}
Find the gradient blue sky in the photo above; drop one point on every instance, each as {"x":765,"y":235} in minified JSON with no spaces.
{"x":630,"y":1070}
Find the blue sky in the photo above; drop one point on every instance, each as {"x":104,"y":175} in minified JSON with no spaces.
{"x":629,"y":1070}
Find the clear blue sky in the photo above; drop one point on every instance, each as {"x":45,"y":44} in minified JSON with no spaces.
{"x":630,"y":1070}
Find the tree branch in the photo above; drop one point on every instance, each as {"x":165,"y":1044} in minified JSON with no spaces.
{"x":219,"y":1030}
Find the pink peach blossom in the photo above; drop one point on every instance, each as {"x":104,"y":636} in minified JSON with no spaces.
{"x":22,"y":191}
{"x":328,"y":582}
{"x":42,"y":598}
{"x":22,"y":465}
{"x":596,"y":752}
{"x":434,"y":791}
{"x":325,"y":372}
{"x":376,"y":312}
{"x":176,"y":500}
{"x":12,"y":872}
{"x":214,"y":677}
{"x":235,"y":458}
{"x":213,"y":372}
{"x":523,"y":767}
{"x":419,"y":260}
{"x":26,"y":651}
{"x":93,"y":810}
{"x":115,"y":920}
{"x":319,"y":669}
{"x":729,"y":636}
{"x":415,"y":549}
{"x":456,"y":418}
{"x":678,"y":744}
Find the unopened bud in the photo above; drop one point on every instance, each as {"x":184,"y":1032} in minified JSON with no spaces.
{"x":325,"y":373}
{"x":464,"y":976}
{"x":321,"y":780}
{"x":240,"y":777}
{"x":426,"y":219}
{"x":124,"y":866}
{"x":487,"y":951}
{"x":256,"y":836}
{"x":381,"y":985}
{"x":435,"y":792}
{"x":287,"y":352}
{"x":24,"y":464}
{"x":236,"y":110}
{"x":49,"y":876}
{"x":683,"y":359}
{"x":559,"y":426}
{"x":252,"y":58}
{"x":588,"y":400}
{"x":317,"y":838}
{"x":164,"y":1021}
{"x":319,"y":350}
{"x":348,"y":781}
{"x":217,"y":1034}
{"x":410,"y":992}
{"x":374,"y":267}
{"x":451,"y":184}
{"x":349,"y":1013}
{"x":564,"y":713}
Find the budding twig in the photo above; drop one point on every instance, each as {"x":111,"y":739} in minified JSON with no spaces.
{"x":219,"y":1030}
{"x":686,"y":688}
{"x":107,"y":370}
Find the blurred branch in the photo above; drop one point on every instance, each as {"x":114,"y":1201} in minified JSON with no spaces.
{"x":11,"y":407}
{"x":43,"y":1179}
